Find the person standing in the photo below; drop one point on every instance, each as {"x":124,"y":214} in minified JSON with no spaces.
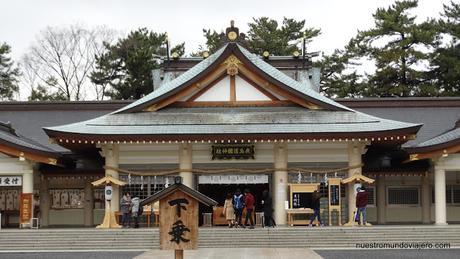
{"x":125,"y":209}
{"x":238,"y":206}
{"x":228,"y":210}
{"x":249,"y":204}
{"x":135,"y":211}
{"x":361,"y":204}
{"x":316,"y":205}
{"x":268,"y":210}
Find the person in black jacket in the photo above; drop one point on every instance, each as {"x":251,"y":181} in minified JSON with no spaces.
{"x":268,"y":210}
{"x":315,"y":205}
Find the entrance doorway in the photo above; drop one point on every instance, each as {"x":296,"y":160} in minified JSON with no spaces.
{"x":217,"y":187}
{"x":218,"y":192}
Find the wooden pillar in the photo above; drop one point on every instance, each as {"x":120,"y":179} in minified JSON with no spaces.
{"x":381,"y":200}
{"x":45,"y":202}
{"x":355,"y":150}
{"x":185,"y":163}
{"x":280,"y":181}
{"x":440,"y":196}
{"x":178,"y":254}
{"x":111,"y":160}
{"x":89,"y":205}
{"x":426,"y":204}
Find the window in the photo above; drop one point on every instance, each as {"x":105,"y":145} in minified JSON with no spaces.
{"x":456,"y":194}
{"x":403,"y":195}
{"x":371,"y":193}
{"x":144,"y":186}
{"x":452,"y":194}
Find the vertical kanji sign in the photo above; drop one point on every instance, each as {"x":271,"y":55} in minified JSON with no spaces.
{"x":178,"y":221}
{"x":178,"y":216}
{"x":26,"y":208}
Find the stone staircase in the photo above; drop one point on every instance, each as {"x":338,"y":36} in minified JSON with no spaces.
{"x":292,"y":237}
{"x":79,"y":239}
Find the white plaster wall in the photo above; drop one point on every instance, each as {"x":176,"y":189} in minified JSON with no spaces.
{"x":148,"y":154}
{"x":168,"y":153}
{"x":13,"y":166}
{"x":246,"y":92}
{"x":218,"y":92}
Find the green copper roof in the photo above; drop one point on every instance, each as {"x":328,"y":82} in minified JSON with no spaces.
{"x":233,"y":120}
{"x":269,"y":70}
{"x":449,"y":136}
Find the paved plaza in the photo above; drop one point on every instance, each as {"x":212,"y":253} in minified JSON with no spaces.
{"x":251,"y":253}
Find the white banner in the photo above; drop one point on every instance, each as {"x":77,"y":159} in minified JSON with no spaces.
{"x":233,"y":179}
{"x":15,"y":180}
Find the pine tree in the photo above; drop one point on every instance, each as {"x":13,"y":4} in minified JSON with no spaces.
{"x":266,"y":34}
{"x":127,"y":65}
{"x":446,"y":59}
{"x":8,"y":74}
{"x":395,"y":44}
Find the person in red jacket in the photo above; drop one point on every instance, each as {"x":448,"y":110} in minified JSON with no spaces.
{"x":249,"y":204}
{"x":361,"y":203}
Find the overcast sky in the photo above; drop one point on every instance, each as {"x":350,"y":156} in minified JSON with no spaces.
{"x":184,"y":20}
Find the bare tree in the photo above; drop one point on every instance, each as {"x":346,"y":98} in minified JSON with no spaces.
{"x":63,"y":57}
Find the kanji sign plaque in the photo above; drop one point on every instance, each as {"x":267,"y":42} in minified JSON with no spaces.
{"x":178,"y":221}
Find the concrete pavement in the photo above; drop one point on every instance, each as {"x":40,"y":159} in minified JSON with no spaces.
{"x":235,"y":253}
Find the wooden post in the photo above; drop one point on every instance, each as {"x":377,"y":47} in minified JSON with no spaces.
{"x":179,"y":254}
{"x":335,"y":199}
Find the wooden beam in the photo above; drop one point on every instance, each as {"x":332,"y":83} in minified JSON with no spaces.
{"x":232,"y":88}
{"x":434,"y":154}
{"x":233,"y":104}
{"x":205,"y":89}
{"x":260,"y":89}
{"x":264,"y":83}
{"x":27,"y":155}
{"x":190,"y":89}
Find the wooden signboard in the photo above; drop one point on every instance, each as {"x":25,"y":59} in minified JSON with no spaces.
{"x":334,"y":199}
{"x":26,"y":207}
{"x":178,"y":222}
{"x":178,"y":216}
{"x":301,"y":194}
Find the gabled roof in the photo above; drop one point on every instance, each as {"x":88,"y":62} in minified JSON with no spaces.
{"x":179,"y":186}
{"x":136,"y":123}
{"x":193,"y":75}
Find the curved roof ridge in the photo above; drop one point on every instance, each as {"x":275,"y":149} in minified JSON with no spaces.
{"x":445,"y":137}
{"x":287,"y":80}
{"x":176,"y":82}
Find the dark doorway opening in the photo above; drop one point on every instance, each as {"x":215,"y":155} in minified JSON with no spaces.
{"x":218,"y":193}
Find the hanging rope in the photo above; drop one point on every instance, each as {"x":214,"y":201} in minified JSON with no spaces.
{"x":232,"y":170}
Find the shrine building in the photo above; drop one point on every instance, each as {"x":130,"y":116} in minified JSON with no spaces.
{"x":235,"y":120}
